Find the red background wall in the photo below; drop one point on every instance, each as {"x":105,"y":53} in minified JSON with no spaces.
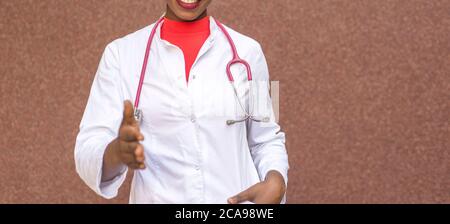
{"x":365,"y":90}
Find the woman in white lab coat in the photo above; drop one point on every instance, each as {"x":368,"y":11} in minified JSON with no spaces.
{"x":183,"y":150}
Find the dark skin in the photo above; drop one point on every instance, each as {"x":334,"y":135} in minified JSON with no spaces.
{"x":126,"y":149}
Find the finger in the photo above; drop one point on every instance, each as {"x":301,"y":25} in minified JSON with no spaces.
{"x":133,"y":166}
{"x":130,"y":134}
{"x":131,"y":161}
{"x":127,"y":158}
{"x":136,"y":166}
{"x":128,"y":147}
{"x":139,"y":153}
{"x":128,"y":113}
{"x":247,"y":195}
{"x":132,"y":152}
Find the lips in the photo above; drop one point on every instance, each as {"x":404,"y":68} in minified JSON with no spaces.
{"x":189,"y":4}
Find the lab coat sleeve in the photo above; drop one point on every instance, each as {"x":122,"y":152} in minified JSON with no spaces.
{"x":100,"y":124}
{"x":266,"y":140}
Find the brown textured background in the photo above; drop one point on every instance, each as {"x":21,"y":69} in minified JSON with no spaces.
{"x":365,"y":90}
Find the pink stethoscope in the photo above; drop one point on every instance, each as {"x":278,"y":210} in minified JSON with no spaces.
{"x":235,"y":60}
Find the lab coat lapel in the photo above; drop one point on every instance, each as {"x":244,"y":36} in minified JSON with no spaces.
{"x":172,"y":59}
{"x":209,"y":41}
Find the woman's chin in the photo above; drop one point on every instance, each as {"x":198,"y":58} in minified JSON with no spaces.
{"x":188,"y":16}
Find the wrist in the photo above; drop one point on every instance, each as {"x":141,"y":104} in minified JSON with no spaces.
{"x":112,"y":164}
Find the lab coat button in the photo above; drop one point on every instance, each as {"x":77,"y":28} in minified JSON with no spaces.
{"x":193,"y":119}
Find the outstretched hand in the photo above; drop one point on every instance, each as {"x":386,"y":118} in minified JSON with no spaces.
{"x":129,"y":150}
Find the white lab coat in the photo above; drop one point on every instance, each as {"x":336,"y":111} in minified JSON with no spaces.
{"x":192,"y":156}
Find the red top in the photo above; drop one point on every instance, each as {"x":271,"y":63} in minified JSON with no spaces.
{"x":188,"y":36}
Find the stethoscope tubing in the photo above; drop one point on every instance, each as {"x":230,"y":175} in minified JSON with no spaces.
{"x":235,"y":60}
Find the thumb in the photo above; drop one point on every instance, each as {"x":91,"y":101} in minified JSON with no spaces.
{"x":247,"y":195}
{"x":128,"y":113}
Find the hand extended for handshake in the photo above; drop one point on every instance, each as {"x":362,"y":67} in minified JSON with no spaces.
{"x":126,"y":148}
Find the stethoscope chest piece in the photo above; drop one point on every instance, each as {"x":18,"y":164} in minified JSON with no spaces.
{"x":138,"y":115}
